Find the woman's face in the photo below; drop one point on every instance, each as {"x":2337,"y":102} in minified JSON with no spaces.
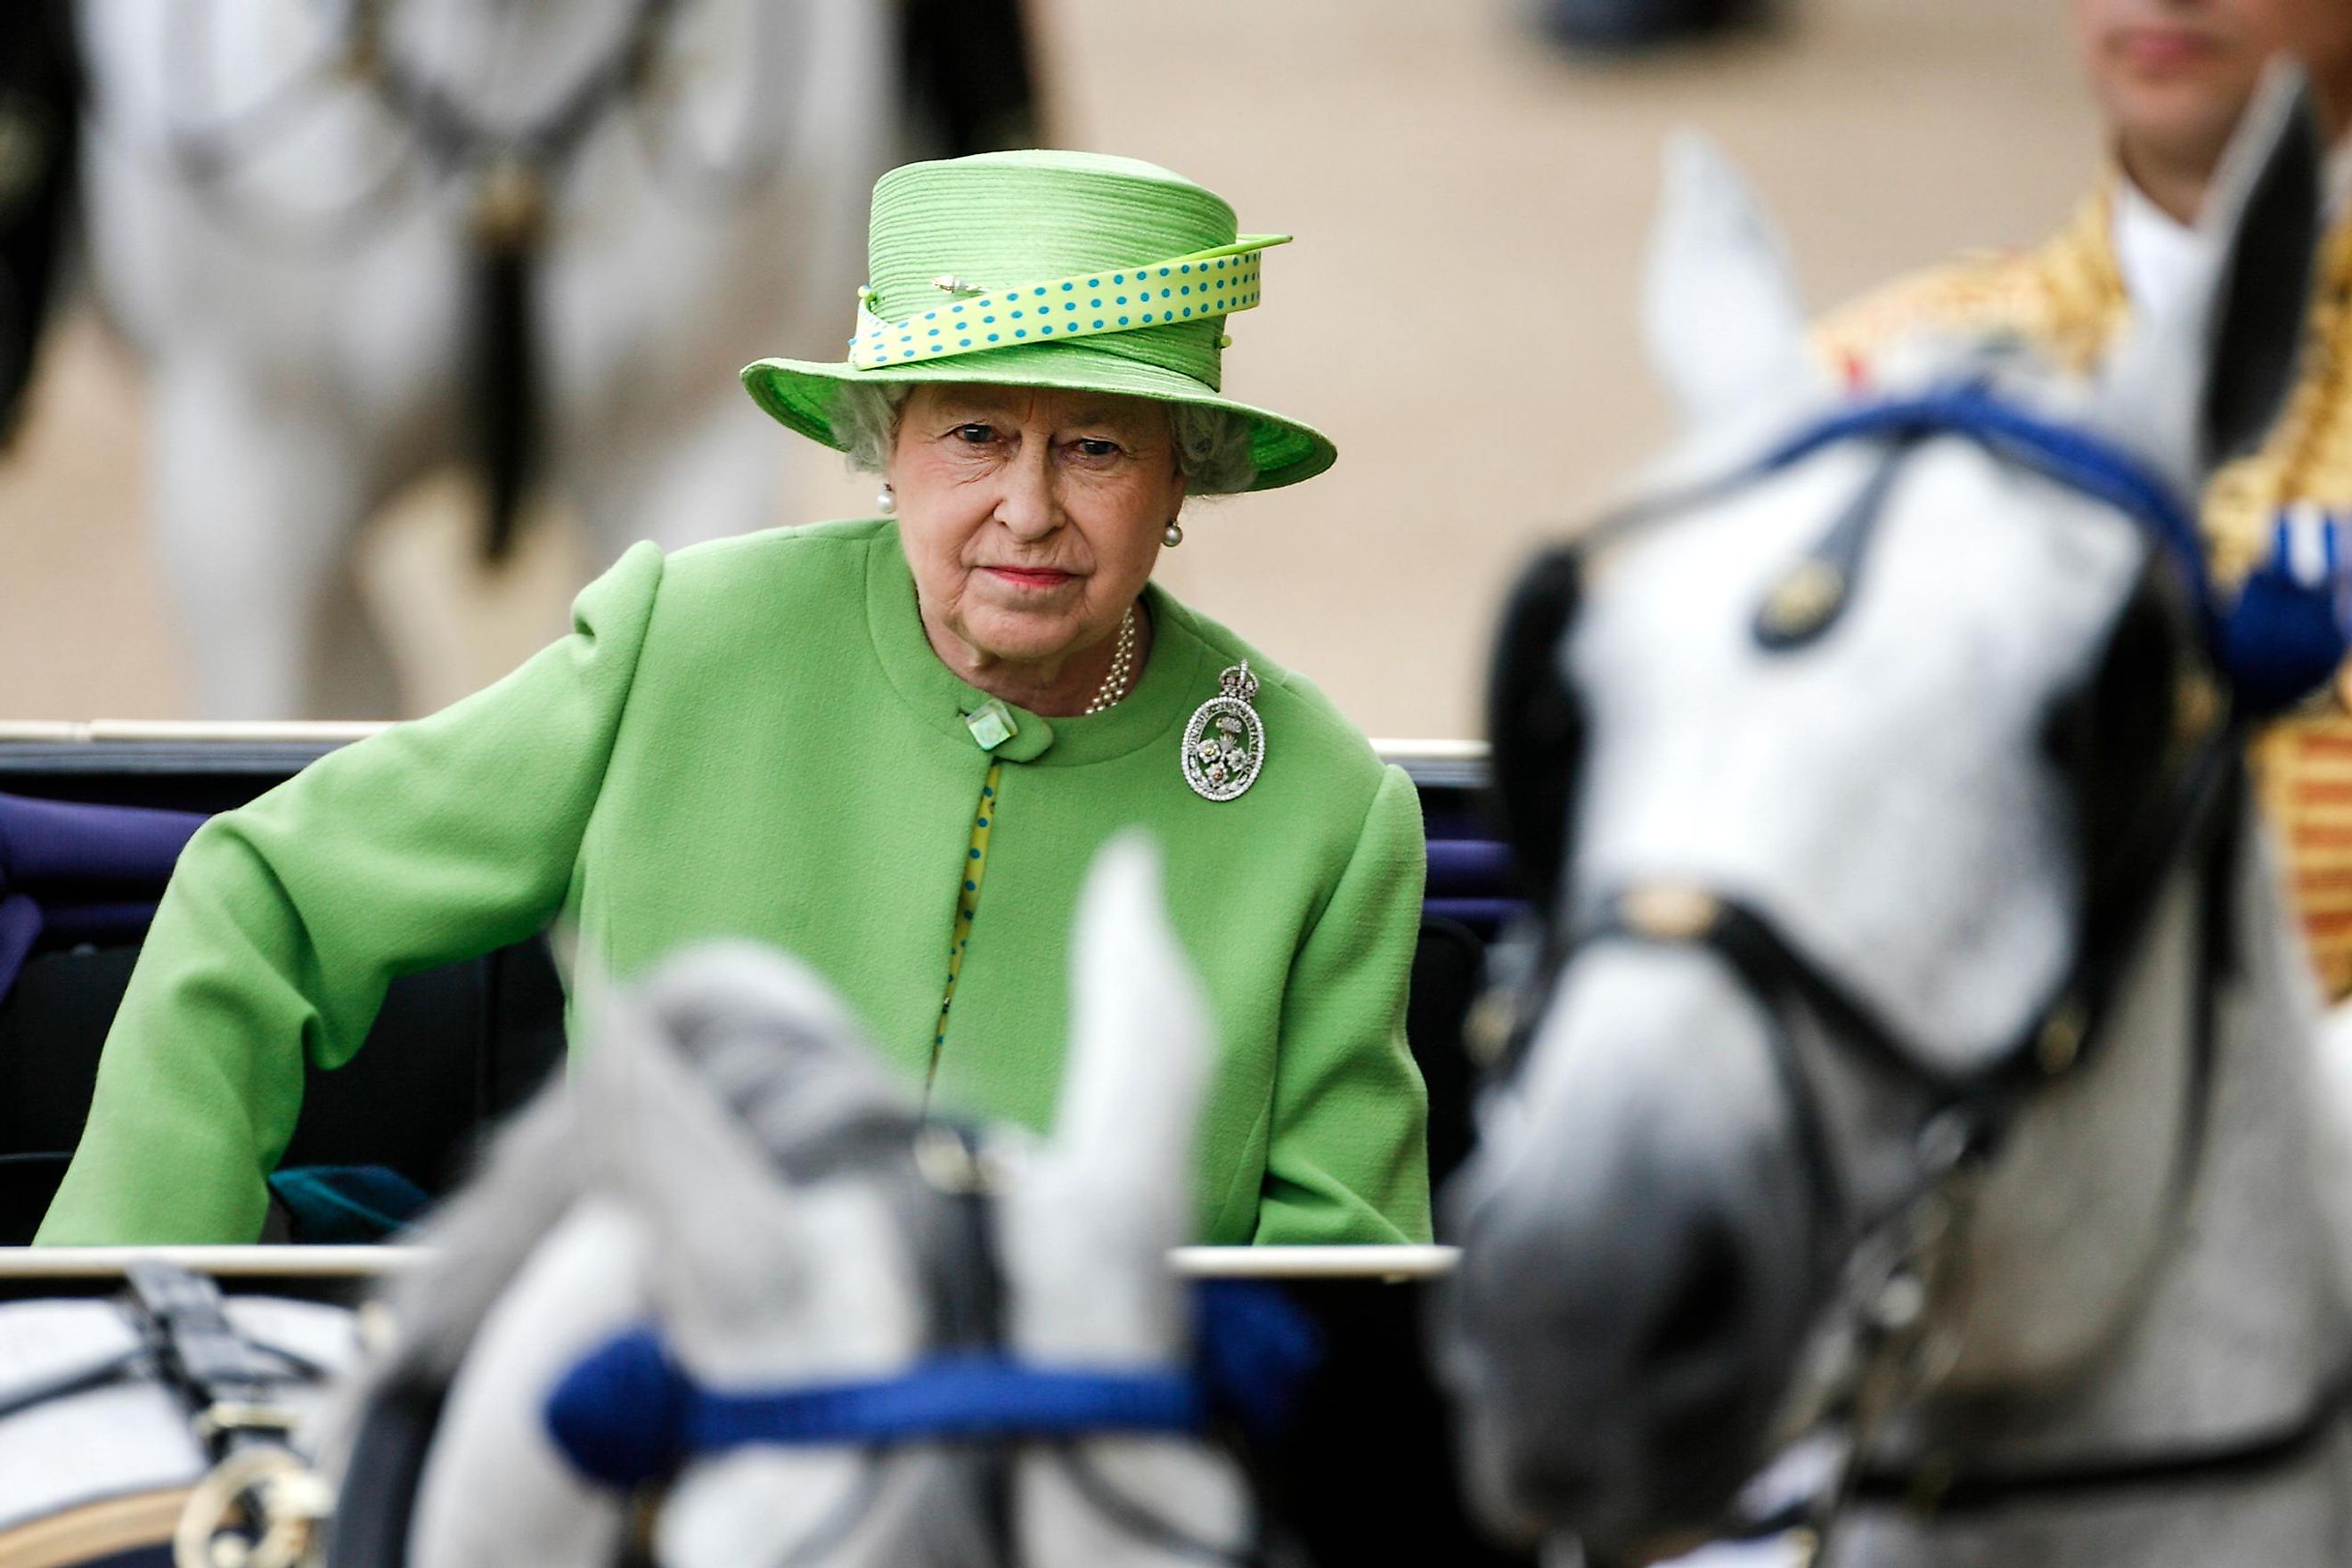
{"x":1030,"y":517}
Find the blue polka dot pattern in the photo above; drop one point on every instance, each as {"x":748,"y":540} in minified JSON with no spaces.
{"x":1215,"y":285}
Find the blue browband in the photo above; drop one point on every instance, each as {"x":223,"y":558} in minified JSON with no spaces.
{"x":2276,"y":642}
{"x":2079,"y":458}
{"x":627,"y":1413}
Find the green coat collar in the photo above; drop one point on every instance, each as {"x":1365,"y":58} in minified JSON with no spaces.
{"x":1178,"y":678}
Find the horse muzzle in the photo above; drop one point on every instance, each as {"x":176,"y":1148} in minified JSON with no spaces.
{"x":1637,"y":1278}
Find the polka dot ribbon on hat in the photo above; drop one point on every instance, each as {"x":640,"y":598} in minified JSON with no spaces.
{"x":1113,"y":300}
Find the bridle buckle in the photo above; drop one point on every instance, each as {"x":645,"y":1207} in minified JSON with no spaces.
{"x":1669,"y":912}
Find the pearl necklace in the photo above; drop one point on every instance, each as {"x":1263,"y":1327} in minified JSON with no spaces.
{"x":1115,"y":680}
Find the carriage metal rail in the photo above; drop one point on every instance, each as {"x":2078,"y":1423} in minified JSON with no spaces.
{"x":1394,"y":1264}
{"x":30,"y":745}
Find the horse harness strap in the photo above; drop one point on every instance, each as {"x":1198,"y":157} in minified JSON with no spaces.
{"x":230,"y":1386}
{"x":230,"y":1383}
{"x":260,"y":1503}
{"x":1936,"y":1487}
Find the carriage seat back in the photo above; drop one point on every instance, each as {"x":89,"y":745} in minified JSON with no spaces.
{"x":455,"y":1047}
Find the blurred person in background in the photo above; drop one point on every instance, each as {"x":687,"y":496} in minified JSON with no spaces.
{"x":890,"y":746}
{"x":1609,"y":25}
{"x":2171,"y":78}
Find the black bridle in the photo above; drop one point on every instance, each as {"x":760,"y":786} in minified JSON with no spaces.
{"x":628,"y":1418}
{"x":2183,"y":822}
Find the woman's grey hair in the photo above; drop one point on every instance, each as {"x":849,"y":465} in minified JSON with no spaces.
{"x":1213,"y":446}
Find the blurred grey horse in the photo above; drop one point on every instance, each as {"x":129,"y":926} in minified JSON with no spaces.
{"x":357,"y":240}
{"x":2099,"y":1318}
{"x":729,"y":1164}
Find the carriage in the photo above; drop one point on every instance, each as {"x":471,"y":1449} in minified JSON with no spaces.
{"x":90,"y":818}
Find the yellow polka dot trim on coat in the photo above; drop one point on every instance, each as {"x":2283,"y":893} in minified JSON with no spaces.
{"x":975,"y":869}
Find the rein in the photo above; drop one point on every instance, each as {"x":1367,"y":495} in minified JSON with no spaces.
{"x":2184,"y":825}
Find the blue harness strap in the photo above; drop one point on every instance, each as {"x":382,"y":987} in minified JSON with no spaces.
{"x":2279,"y":639}
{"x":2080,"y":460}
{"x":627,"y":1413}
{"x":947,"y":1400}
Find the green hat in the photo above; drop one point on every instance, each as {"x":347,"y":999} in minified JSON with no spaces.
{"x":1044,"y":268}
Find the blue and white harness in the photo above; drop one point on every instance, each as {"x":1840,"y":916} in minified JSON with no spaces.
{"x":628,"y":1414}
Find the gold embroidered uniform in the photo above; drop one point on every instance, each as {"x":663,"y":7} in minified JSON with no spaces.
{"x":2068,"y":296}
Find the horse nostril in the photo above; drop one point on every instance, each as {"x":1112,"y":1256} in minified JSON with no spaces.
{"x":1701,"y":1306}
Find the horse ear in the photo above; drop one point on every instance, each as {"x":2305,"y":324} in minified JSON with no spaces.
{"x":1086,"y":1229}
{"x":1138,"y":1062}
{"x":2203,"y":377}
{"x":1720,"y":309}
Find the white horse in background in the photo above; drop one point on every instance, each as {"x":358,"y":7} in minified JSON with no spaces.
{"x":729,"y":1165}
{"x":1847,"y":767}
{"x":307,"y":216}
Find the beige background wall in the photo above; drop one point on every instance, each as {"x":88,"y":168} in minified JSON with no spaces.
{"x":1458,"y":313}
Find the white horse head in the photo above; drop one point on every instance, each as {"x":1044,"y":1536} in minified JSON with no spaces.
{"x":731,"y":1168}
{"x":1846,"y":766}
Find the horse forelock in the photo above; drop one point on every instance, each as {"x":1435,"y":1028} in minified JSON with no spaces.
{"x":771,"y":1043}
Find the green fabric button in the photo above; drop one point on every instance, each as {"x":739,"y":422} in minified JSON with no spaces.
{"x":991,"y":724}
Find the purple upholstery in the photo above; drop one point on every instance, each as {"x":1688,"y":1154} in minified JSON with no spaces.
{"x":73,"y":872}
{"x":20,"y":927}
{"x":1486,"y":916}
{"x":1468,"y":868}
{"x":67,"y":844}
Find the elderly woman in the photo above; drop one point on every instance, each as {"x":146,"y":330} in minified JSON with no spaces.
{"x":890,"y":746}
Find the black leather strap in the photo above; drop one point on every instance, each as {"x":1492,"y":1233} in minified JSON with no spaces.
{"x":230,"y":1386}
{"x":1929,"y":1490}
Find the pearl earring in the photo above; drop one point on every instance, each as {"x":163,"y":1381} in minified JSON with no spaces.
{"x":1173,"y":534}
{"x":887,"y":502}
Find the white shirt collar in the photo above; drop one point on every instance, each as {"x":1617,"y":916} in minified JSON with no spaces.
{"x":2158,"y":256}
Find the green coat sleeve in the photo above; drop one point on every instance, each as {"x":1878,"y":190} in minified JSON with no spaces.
{"x":1349,"y":1156}
{"x":285,"y":921}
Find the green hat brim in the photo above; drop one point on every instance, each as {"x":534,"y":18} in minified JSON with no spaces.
{"x":800,"y":394}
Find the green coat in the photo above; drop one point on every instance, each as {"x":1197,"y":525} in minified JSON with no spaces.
{"x":754,"y":739}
